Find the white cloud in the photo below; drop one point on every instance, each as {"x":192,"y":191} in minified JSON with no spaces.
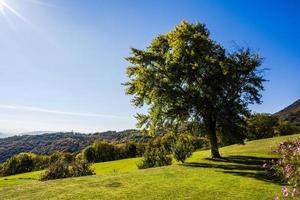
{"x":58,"y":112}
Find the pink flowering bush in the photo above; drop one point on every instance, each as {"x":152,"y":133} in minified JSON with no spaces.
{"x":288,"y":167}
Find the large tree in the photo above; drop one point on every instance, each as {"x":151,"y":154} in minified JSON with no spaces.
{"x":184,"y":76}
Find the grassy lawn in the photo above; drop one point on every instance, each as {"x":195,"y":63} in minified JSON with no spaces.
{"x":238,"y":176}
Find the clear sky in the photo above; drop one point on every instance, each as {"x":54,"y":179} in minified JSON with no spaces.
{"x":62,"y":61}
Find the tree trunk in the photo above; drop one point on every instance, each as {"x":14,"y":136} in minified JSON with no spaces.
{"x":212,"y":133}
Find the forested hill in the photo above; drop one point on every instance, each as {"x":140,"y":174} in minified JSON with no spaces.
{"x":61,"y":141}
{"x":292,"y":113}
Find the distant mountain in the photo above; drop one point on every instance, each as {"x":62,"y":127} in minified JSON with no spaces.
{"x":36,"y":132}
{"x":48,"y":143}
{"x":291,"y":113}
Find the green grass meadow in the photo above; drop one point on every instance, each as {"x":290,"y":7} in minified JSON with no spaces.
{"x":238,"y":176}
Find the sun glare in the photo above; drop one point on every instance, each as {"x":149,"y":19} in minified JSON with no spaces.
{"x":1,"y":6}
{"x":6,"y":9}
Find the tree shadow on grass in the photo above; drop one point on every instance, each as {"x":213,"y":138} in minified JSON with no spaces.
{"x":248,"y":166}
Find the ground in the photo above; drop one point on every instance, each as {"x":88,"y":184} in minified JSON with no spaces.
{"x":238,"y":176}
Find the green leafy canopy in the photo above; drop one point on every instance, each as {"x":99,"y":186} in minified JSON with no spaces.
{"x":184,"y":75}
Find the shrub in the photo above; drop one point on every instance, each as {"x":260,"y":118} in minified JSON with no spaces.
{"x":288,"y":165}
{"x":80,"y":157}
{"x":68,"y":157}
{"x":155,"y":156}
{"x":100,"y":151}
{"x":261,"y":125}
{"x":285,"y":128}
{"x":41,"y":162}
{"x":183,"y":147}
{"x":58,"y":169}
{"x":141,"y":147}
{"x":129,"y":150}
{"x":24,"y":162}
{"x":200,"y":143}
{"x":81,"y":168}
{"x":89,"y":154}
{"x":64,"y":169}
{"x":168,"y":141}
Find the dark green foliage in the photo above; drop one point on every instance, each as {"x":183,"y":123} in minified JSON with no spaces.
{"x":285,"y":128}
{"x":100,"y":151}
{"x":130,"y":150}
{"x":155,"y":156}
{"x":261,"y":125}
{"x":24,"y":162}
{"x":64,"y":169}
{"x":58,"y":169}
{"x":264,"y":125}
{"x":200,"y":143}
{"x":66,"y":156}
{"x":184,"y":76}
{"x":80,"y":168}
{"x":89,"y":154}
{"x":168,"y":141}
{"x":183,"y":147}
{"x":140,"y":149}
{"x":41,"y":162}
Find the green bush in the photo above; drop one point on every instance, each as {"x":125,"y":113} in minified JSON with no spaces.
{"x":130,"y":150}
{"x":183,"y":147}
{"x":58,"y":169}
{"x":41,"y":162}
{"x":24,"y":162}
{"x":80,"y":168}
{"x":89,"y":154}
{"x":141,"y":147}
{"x":200,"y":143}
{"x":168,"y":141}
{"x":69,"y":157}
{"x":100,"y":151}
{"x":155,"y":156}
{"x":261,"y":125}
{"x":64,"y":169}
{"x":285,"y":128}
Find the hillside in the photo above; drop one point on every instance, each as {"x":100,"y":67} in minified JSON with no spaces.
{"x":67,"y":142}
{"x":291,"y":113}
{"x":239,"y":176}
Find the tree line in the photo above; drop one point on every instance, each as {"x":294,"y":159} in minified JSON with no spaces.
{"x":158,"y":151}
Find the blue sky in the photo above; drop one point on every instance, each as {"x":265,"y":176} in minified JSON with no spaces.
{"x":62,"y":61}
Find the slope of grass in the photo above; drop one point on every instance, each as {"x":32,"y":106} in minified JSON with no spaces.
{"x":238,"y":176}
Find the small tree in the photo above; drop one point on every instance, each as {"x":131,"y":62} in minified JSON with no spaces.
{"x":183,"y":147}
{"x":155,"y":156}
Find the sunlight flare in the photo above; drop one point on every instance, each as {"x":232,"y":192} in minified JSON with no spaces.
{"x":4,"y":6}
